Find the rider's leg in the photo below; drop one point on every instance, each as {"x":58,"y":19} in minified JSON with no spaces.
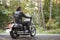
{"x":27,"y":26}
{"x":24,"y":26}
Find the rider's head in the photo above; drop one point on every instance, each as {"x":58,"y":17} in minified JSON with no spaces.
{"x":18,"y":9}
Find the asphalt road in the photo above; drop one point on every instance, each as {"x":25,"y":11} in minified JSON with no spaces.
{"x":27,"y":37}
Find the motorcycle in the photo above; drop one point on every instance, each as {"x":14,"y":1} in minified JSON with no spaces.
{"x":18,"y":29}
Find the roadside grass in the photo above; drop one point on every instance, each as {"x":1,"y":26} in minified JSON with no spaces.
{"x":2,"y":31}
{"x":39,"y":30}
{"x":55,"y":31}
{"x":52,"y":31}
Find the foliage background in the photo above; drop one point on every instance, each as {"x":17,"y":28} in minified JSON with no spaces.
{"x":31,"y":7}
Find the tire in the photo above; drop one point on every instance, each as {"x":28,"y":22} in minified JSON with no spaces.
{"x":14,"y":35}
{"x":33,"y":32}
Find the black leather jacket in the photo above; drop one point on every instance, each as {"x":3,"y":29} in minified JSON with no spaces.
{"x":18,"y":16}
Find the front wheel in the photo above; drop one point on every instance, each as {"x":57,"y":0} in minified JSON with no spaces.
{"x":33,"y":31}
{"x":14,"y":35}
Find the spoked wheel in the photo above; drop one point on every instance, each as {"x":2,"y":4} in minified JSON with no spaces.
{"x":33,"y":31}
{"x":14,"y":35}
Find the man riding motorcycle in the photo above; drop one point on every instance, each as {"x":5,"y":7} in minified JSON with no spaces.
{"x":18,"y":17}
{"x":20,"y":26}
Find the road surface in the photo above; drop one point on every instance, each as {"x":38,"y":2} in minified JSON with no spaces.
{"x":27,"y":37}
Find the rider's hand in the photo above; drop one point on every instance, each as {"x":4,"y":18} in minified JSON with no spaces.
{"x":30,"y":17}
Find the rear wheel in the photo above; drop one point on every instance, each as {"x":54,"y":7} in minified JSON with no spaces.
{"x":14,"y":35}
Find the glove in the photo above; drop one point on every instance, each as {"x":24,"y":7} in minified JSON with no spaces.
{"x":30,"y":17}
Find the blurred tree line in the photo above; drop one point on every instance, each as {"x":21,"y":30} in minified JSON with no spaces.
{"x":50,"y":10}
{"x":3,"y":17}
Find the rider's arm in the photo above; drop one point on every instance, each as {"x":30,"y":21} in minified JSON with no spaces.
{"x":25,"y":15}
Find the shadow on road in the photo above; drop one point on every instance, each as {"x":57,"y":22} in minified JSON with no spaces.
{"x":24,"y":37}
